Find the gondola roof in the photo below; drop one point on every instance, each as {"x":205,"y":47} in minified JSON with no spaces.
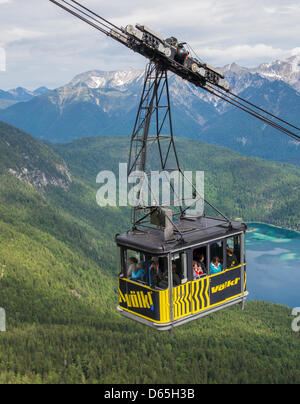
{"x":188,"y":232}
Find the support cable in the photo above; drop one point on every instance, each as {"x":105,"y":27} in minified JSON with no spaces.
{"x":80,"y":17}
{"x":250,"y":111}
{"x":96,"y":15}
{"x":263,"y":110}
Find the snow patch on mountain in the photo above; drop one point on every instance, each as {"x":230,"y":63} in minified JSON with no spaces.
{"x":99,"y":79}
{"x":286,"y":70}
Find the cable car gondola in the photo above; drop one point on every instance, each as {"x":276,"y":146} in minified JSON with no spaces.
{"x":168,"y":292}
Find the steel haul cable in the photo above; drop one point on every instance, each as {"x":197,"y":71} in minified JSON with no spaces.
{"x":252,"y":112}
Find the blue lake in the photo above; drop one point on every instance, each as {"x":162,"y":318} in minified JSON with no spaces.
{"x":273,"y":264}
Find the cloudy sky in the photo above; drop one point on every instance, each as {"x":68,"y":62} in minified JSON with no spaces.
{"x":44,"y":45}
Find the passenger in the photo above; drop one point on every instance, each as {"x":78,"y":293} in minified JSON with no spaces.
{"x":231,"y":258}
{"x":164,"y":283}
{"x":132,"y":266}
{"x":216,"y":266}
{"x":176,"y":279}
{"x":155,"y":275}
{"x":201,"y":263}
{"x":197,"y":270}
{"x":139,"y":273}
{"x":155,"y":264}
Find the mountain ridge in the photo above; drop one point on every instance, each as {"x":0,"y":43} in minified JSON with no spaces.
{"x":105,"y":103}
{"x":19,"y":94}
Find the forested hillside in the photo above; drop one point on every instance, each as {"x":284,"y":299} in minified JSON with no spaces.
{"x":58,"y":270}
{"x":254,"y":346}
{"x":240,"y":186}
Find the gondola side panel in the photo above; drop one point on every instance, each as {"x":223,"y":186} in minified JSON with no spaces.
{"x":139,"y":300}
{"x":225,"y":286}
{"x":182,"y":301}
{"x":200,"y":295}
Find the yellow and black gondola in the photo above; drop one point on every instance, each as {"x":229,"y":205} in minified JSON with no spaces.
{"x":164,"y":306}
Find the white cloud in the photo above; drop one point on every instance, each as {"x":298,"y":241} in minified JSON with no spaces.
{"x":246,"y":54}
{"x":295,"y":51}
{"x":16,"y":34}
{"x":45,"y":40}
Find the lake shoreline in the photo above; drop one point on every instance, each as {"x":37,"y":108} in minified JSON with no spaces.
{"x":273,"y":263}
{"x":273,"y":225}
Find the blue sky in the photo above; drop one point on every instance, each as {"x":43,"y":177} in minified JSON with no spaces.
{"x":46,"y":46}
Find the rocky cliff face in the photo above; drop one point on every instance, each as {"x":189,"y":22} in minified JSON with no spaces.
{"x":31,"y":161}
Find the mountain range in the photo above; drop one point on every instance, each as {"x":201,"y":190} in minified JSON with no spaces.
{"x":98,"y":103}
{"x":19,"y":94}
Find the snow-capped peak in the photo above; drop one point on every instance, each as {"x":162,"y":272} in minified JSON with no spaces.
{"x":98,"y":79}
{"x":287,"y":70}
